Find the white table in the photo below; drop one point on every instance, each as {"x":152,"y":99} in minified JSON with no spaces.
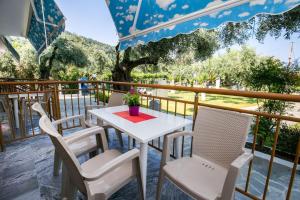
{"x":144,"y":131}
{"x":15,"y":98}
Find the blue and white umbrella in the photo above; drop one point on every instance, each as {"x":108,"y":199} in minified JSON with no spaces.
{"x":143,"y":21}
{"x":41,"y":21}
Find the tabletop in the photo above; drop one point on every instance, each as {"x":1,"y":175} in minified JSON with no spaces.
{"x":144,"y":131}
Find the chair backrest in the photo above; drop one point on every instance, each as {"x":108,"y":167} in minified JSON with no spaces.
{"x":68,"y":157}
{"x":220,"y":135}
{"x":115,"y":99}
{"x":38,"y":108}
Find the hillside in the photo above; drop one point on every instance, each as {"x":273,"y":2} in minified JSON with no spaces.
{"x":70,"y":56}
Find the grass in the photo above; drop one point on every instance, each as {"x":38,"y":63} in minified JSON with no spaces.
{"x":221,"y":100}
{"x":231,"y":101}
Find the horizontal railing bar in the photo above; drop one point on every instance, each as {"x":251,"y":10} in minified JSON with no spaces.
{"x":262,"y":95}
{"x":252,"y":94}
{"x":264,"y":114}
{"x":247,"y":194}
{"x":287,"y":118}
{"x":168,"y":98}
{"x":26,"y":92}
{"x":22,"y":138}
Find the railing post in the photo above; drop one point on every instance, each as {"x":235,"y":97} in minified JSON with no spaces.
{"x":294,"y":170}
{"x":196,"y":101}
{"x":97,"y":92}
{"x":57,"y":106}
{"x":103,"y":93}
{"x":271,"y":159}
{"x":1,"y":139}
{"x":252,"y":151}
{"x":60,"y":89}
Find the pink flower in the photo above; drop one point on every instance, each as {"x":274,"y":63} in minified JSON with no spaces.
{"x":131,"y":91}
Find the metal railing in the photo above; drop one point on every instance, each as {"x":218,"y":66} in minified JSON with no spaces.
{"x":64,"y":98}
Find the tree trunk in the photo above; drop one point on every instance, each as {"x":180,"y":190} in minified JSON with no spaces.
{"x":122,"y":70}
{"x":46,"y":69}
{"x":120,"y":75}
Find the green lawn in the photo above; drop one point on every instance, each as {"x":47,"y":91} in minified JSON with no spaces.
{"x":221,"y":100}
{"x":231,"y":101}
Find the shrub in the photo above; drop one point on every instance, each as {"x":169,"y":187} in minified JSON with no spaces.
{"x":101,"y":97}
{"x":288,"y":138}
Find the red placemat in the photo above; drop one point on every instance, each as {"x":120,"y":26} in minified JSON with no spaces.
{"x":134,"y":119}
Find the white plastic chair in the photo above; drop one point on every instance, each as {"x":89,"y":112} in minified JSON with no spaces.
{"x":79,"y":145}
{"x":218,"y":154}
{"x":99,"y":177}
{"x":115,"y":99}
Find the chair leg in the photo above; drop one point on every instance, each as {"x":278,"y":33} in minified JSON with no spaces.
{"x":107,"y":133}
{"x":129,"y":142}
{"x":160,"y":184}
{"x":57,"y":163}
{"x":68,"y":190}
{"x":133,"y":142}
{"x":119,"y":134}
{"x":139,"y":179}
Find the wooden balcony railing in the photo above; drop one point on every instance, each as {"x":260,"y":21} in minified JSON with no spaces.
{"x":63,"y":98}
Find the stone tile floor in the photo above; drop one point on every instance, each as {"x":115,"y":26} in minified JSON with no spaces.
{"x":26,"y":173}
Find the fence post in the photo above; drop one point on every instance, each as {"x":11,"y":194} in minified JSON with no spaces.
{"x":57,"y":106}
{"x":103,"y":94}
{"x":196,"y":100}
{"x":294,"y":170}
{"x":1,"y":139}
{"x":97,"y":92}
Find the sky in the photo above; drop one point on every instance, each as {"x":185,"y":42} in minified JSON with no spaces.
{"x":91,"y":18}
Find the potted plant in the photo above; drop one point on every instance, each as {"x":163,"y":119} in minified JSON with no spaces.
{"x":132,"y":98}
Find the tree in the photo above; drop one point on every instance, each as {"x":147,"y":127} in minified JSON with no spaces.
{"x":7,"y":66}
{"x":201,"y":44}
{"x":76,"y":51}
{"x":231,"y":67}
{"x":285,"y":25}
{"x":26,"y":67}
{"x":59,"y":54}
{"x":101,"y":62}
{"x":271,"y":75}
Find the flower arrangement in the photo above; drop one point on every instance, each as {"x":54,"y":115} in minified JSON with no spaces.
{"x":132,"y":98}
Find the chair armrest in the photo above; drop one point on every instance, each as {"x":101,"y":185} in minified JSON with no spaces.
{"x":240,"y":161}
{"x":111,"y":165}
{"x":62,"y":120}
{"x":233,"y":173}
{"x":166,"y":145}
{"x":79,"y":135}
{"x":91,"y":107}
{"x":179,"y":134}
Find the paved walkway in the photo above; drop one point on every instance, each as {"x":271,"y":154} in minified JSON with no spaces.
{"x":26,"y":173}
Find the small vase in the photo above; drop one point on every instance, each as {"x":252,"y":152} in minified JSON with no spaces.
{"x":134,"y":110}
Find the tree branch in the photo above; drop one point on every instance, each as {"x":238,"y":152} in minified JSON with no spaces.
{"x":145,"y":60}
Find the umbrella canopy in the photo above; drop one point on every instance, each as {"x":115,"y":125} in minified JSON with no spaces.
{"x":143,"y":21}
{"x":40,"y":21}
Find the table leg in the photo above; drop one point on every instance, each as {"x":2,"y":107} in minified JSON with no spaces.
{"x":143,"y":163}
{"x":16,"y":112}
{"x":129,"y":142}
{"x":177,"y":149}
